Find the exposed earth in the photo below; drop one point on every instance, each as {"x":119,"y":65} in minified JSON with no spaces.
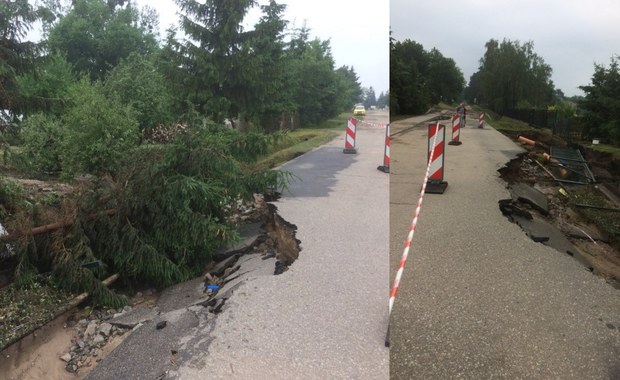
{"x":593,"y":231}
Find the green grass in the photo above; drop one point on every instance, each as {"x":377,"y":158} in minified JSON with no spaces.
{"x":293,"y":144}
{"x":339,"y":122}
{"x":508,"y":124}
{"x":607,"y":148}
{"x":302,"y":140}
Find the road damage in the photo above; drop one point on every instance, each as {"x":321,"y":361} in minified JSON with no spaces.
{"x":548,"y":191}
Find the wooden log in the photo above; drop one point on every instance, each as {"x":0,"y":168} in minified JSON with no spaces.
{"x":50,"y":227}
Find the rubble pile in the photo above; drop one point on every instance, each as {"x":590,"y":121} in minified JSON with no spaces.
{"x":91,"y":335}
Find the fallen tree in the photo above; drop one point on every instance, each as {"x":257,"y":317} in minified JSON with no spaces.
{"x":172,"y":209}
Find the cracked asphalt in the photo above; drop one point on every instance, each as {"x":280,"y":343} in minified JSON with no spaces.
{"x":324,"y":318}
{"x":478,"y":298}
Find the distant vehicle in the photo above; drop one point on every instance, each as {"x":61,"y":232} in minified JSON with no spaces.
{"x":359,"y":111}
{"x":373,"y":107}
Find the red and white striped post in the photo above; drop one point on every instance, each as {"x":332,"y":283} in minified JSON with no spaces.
{"x":436,"y":136}
{"x":456,"y":130}
{"x":414,"y":223}
{"x":386,"y":153}
{"x":481,"y":120}
{"x":349,"y":142}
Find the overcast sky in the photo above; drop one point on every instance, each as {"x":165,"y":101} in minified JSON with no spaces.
{"x":359,"y":32}
{"x":570,"y":35}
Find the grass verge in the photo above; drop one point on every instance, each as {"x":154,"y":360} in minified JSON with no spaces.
{"x":614,"y":150}
{"x":302,"y":140}
{"x":509,"y":125}
{"x":294,"y":144}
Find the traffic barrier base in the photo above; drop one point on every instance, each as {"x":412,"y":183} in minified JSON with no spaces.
{"x":436,"y":187}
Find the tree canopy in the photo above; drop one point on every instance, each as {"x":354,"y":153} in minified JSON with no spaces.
{"x":420,"y":78}
{"x":95,"y":36}
{"x":601,"y":104}
{"x":511,"y":75}
{"x":17,"y":57}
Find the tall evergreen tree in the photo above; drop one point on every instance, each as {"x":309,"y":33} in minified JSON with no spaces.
{"x":212,"y":51}
{"x":262,"y":93}
{"x":351,"y":90}
{"x":370,"y":98}
{"x":383,"y":100}
{"x":313,"y":79}
{"x":16,"y":55}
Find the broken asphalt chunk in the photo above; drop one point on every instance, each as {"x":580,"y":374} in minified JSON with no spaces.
{"x":219,"y":268}
{"x":509,"y":209}
{"x":529,"y":195}
{"x":280,"y":268}
{"x":160,"y":325}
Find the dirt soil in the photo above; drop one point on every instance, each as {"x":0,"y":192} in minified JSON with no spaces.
{"x":38,"y":355}
{"x":602,"y":249}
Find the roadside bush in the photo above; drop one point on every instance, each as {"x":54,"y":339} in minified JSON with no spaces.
{"x":47,"y":87}
{"x":612,"y":130}
{"x":41,"y":150}
{"x":11,"y":195}
{"x":136,"y":82}
{"x":99,"y":131}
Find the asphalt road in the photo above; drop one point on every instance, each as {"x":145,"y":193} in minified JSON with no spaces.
{"x":325,"y":318}
{"x":478,"y":298}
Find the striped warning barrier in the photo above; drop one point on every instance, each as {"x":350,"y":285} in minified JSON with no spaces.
{"x":386,"y":153}
{"x":481,"y":120}
{"x":414,"y":222}
{"x":456,"y":130}
{"x":349,"y":142}
{"x":436,"y":133}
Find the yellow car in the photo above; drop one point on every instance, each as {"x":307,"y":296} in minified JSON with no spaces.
{"x":359,"y":111}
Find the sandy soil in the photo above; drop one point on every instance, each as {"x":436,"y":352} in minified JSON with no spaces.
{"x":37,"y":356}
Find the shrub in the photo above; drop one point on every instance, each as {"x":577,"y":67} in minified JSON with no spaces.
{"x":136,"y":82}
{"x":42,"y":143}
{"x":99,"y":131}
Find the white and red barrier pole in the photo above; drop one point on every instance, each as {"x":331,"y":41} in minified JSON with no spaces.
{"x":436,"y":133}
{"x":414,"y":223}
{"x":386,"y":153}
{"x":349,"y":142}
{"x":481,"y":120}
{"x":456,"y":130}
